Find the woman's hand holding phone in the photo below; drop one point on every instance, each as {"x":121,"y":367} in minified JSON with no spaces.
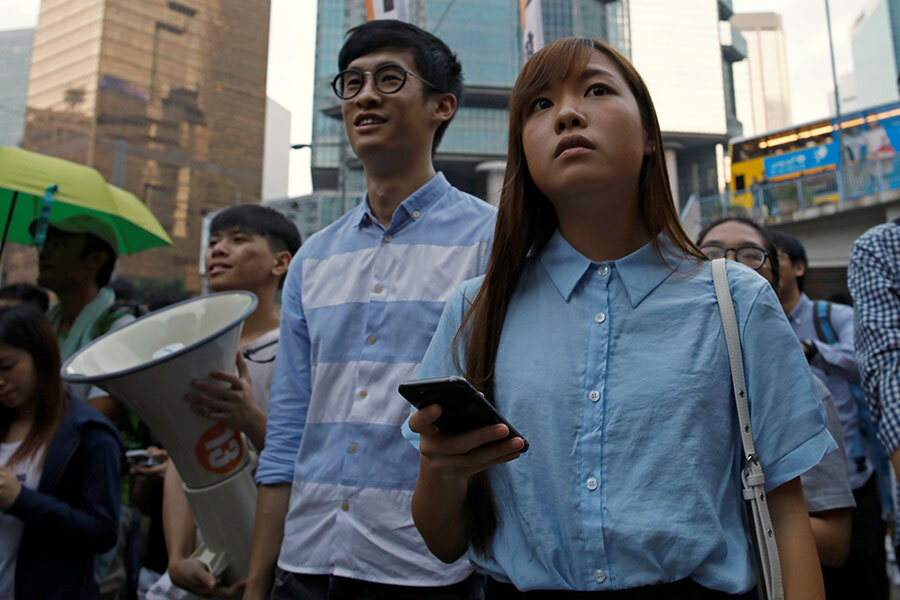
{"x":458,"y":457}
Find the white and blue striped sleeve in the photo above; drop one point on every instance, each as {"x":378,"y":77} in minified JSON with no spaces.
{"x":291,"y":388}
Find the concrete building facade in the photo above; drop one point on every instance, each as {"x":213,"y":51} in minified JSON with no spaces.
{"x":762,"y":87}
{"x":15,"y":62}
{"x":875,"y":39}
{"x":165,"y":98}
{"x":276,"y":152}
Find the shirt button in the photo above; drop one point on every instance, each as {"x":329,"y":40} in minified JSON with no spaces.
{"x":345,"y":505}
{"x":387,"y":238}
{"x":371,"y":339}
{"x":352,"y":449}
{"x":594,"y":395}
{"x":599,"y":576}
{"x":600,"y":317}
{"x":416,"y":214}
{"x":378,"y":289}
{"x":592,"y":483}
{"x":603,"y":270}
{"x":363,"y":393}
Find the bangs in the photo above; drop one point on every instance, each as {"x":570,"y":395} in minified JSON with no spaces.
{"x":557,"y":61}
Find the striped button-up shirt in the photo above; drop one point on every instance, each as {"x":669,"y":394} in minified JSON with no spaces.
{"x":360,"y":305}
{"x":874,"y":280}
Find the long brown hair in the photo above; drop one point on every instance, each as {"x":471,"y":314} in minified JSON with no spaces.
{"x":525,"y":222}
{"x":25,"y":328}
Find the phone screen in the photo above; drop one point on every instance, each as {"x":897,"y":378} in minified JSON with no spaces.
{"x":462,"y":407}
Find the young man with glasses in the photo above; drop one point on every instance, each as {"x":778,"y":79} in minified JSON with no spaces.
{"x":360,"y":305}
{"x":826,"y":331}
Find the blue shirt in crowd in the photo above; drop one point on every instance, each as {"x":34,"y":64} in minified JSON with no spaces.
{"x":835,"y":364}
{"x":360,"y":305}
{"x":617,"y":373}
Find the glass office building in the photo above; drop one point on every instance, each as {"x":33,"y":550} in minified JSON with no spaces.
{"x":486,"y":37}
{"x":166,"y":99}
{"x":15,"y":60}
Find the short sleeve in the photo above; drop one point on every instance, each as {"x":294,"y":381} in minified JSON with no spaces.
{"x":827,"y":485}
{"x":438,"y":360}
{"x":786,"y":413}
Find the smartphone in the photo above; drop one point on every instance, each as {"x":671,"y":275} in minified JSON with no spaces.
{"x":141,"y":458}
{"x":462,"y":407}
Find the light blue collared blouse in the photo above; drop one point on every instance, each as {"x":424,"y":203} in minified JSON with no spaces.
{"x":617,"y":374}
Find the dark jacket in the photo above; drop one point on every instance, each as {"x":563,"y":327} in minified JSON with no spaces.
{"x":74,"y":513}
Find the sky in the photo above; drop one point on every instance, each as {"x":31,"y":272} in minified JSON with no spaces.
{"x":292,"y":52}
{"x":806,"y":42}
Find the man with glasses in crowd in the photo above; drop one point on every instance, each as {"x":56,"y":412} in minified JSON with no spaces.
{"x":361,"y":302}
{"x":826,"y":331}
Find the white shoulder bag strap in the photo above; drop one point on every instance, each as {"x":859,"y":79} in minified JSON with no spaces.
{"x":752,"y":474}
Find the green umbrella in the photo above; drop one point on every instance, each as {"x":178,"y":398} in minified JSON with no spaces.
{"x":74,"y":198}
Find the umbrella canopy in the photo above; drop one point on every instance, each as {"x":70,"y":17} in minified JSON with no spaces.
{"x":82,"y":202}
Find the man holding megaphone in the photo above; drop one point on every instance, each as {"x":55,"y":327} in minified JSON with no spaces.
{"x":250,"y":247}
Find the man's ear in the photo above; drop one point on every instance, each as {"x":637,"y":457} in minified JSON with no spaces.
{"x":96,"y":259}
{"x":444,"y":108}
{"x":799,"y":269}
{"x":280,"y":263}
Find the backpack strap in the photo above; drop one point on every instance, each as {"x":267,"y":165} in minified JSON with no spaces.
{"x":822,"y":322}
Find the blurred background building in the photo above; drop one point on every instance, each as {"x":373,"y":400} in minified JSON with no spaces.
{"x":15,"y":61}
{"x":276,"y":151}
{"x":165,"y":98}
{"x":762,"y":89}
{"x":875,"y":38}
{"x":684,"y":49}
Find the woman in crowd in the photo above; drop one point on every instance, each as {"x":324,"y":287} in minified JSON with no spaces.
{"x":596,"y":332}
{"x":59,"y":470}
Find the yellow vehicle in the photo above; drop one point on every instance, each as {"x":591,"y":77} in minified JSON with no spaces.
{"x":801,"y":150}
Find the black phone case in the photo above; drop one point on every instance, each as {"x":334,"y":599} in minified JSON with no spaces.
{"x":463,"y":408}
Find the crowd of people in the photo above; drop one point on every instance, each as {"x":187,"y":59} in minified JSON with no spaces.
{"x":580,"y":309}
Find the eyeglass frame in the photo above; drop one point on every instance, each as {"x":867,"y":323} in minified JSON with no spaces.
{"x":406,"y":74}
{"x":725,"y":250}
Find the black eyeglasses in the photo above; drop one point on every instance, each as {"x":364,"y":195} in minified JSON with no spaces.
{"x":389,"y":79}
{"x":751,"y":255}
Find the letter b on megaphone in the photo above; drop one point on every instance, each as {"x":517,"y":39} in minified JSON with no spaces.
{"x":149,"y":365}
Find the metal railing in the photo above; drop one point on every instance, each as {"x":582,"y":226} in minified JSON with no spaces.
{"x":867,"y":178}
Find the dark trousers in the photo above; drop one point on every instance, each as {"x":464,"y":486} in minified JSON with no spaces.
{"x":680,"y":590}
{"x":295,"y":586}
{"x":864,"y":575}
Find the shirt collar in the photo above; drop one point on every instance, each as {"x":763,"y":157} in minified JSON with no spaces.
{"x":418,"y":202}
{"x":803,"y":305}
{"x":641,"y":271}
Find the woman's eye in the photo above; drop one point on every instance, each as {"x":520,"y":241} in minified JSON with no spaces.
{"x":540,"y":104}
{"x":598,"y":89}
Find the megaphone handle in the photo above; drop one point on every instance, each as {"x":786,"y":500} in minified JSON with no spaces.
{"x":215,"y":561}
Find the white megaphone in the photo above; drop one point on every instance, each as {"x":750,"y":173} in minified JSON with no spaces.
{"x":149,"y":365}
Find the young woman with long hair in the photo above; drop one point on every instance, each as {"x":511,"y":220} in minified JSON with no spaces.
{"x":596,"y":332}
{"x":59,"y":470}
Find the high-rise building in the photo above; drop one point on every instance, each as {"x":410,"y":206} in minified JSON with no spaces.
{"x":762,"y":87}
{"x":875,"y":38}
{"x":277,"y":151}
{"x":15,"y":60}
{"x":166,"y":98}
{"x":683,"y":48}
